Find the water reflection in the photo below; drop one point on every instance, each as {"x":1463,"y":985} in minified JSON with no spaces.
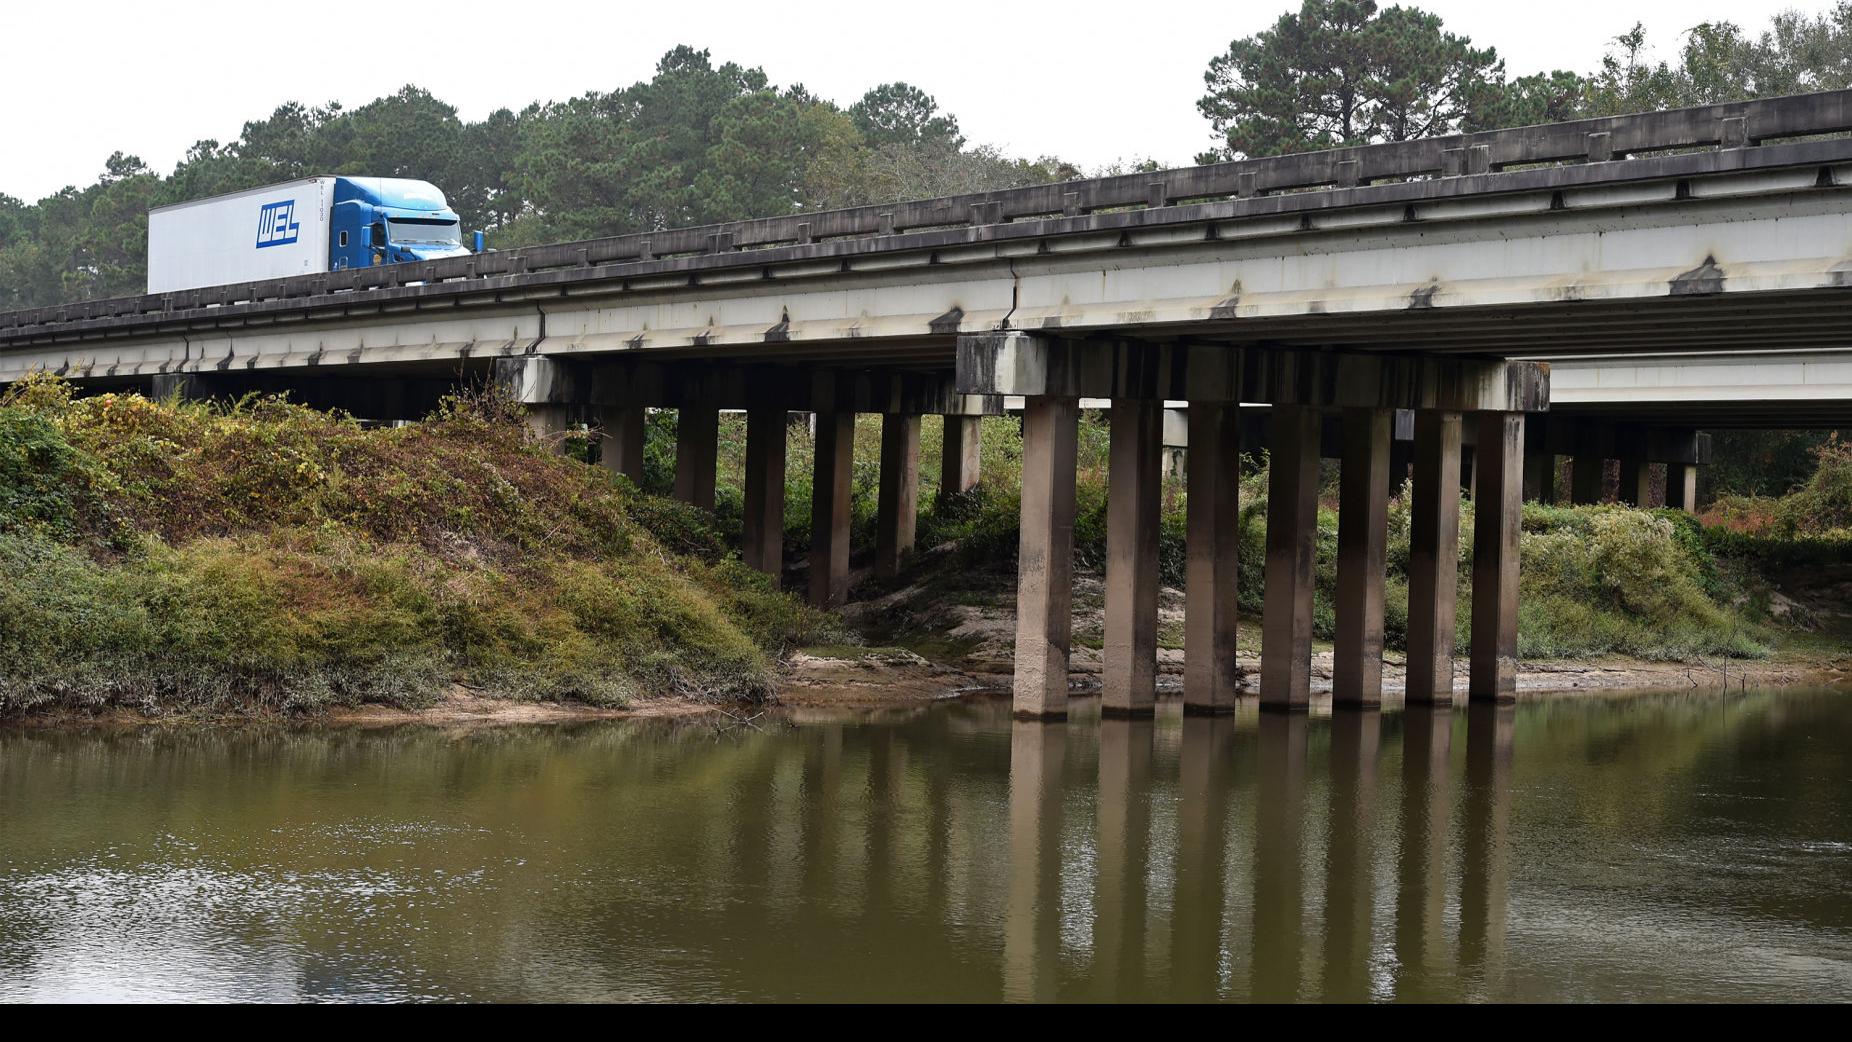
{"x":1561,"y":849}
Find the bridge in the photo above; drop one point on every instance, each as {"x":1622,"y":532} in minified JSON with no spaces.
{"x":1437,"y":278}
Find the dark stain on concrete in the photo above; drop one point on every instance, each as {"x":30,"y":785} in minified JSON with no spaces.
{"x":1423,"y":297}
{"x":949,"y":322}
{"x":1703,"y":280}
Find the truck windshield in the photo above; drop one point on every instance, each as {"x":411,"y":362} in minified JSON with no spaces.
{"x":425,"y":231}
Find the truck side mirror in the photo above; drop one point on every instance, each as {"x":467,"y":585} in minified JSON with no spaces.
{"x":478,"y":242}
{"x":366,"y":237}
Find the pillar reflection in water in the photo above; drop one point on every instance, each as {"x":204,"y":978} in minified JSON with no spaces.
{"x":1422,"y":867}
{"x":1350,"y":853}
{"x":1121,"y":904}
{"x":1279,"y":891}
{"x":1032,"y":926}
{"x":1485,"y":875}
{"x":1205,"y":778}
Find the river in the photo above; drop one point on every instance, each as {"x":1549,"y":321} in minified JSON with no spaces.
{"x":1643,"y":847}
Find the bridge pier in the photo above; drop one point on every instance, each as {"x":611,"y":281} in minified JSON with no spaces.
{"x":1213,"y":460}
{"x":697,"y":447}
{"x":898,"y":506}
{"x":622,"y":434}
{"x":1045,"y":564}
{"x":1433,"y":558}
{"x":762,"y":528}
{"x":831,"y":507}
{"x":1497,"y":520}
{"x":960,"y":458}
{"x":1363,"y":545}
{"x":1292,"y":551}
{"x":1132,"y":513}
{"x":1682,"y":487}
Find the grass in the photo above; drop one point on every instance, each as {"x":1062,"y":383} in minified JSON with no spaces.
{"x":173,"y":556}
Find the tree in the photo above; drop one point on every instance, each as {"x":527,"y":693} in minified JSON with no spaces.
{"x":1340,"y":72}
{"x":902,"y":114}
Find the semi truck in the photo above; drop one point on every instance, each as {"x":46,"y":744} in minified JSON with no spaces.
{"x":302,"y":227}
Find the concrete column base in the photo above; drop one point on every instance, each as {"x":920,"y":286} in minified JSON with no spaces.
{"x":1636,"y":481}
{"x":763,"y":527}
{"x":1045,"y":564}
{"x":548,"y":424}
{"x":1434,"y":558}
{"x":1292,"y":549}
{"x":1129,"y":678}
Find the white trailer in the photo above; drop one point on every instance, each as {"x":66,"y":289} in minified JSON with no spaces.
{"x":265,"y":233}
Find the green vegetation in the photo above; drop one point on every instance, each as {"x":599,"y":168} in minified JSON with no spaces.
{"x":1595,"y":580}
{"x":1346,"y":72}
{"x":180,"y":556}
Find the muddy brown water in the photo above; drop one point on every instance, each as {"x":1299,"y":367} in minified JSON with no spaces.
{"x":1643,"y":847}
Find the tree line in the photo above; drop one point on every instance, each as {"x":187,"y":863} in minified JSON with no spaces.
{"x":700,"y":142}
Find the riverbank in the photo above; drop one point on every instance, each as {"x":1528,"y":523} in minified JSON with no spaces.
{"x":181,"y":562}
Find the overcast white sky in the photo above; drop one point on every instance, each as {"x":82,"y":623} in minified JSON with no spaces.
{"x":79,"y":80}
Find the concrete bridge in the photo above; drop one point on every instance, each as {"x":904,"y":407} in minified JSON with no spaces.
{"x":1438,"y":277}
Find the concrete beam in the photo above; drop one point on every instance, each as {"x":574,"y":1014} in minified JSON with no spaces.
{"x":1210,"y":675}
{"x":1433,"y":558}
{"x":1497,"y":519}
{"x":1292,"y":550}
{"x":1045,"y":565}
{"x":1015,"y":363}
{"x":1363,"y":545}
{"x":1132,"y":512}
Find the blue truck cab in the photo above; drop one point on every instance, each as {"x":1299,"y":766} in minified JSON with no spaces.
{"x":391,"y":220}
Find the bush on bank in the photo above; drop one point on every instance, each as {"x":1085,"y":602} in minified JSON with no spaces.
{"x":168,"y":555}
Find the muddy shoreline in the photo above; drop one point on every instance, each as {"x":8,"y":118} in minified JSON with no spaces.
{"x":891,"y":678}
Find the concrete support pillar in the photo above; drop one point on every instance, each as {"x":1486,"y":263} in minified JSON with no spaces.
{"x":1401,"y":457}
{"x":959,"y":460}
{"x":622,"y":435}
{"x":1497,"y":517}
{"x":763,"y":527}
{"x":1363,"y":546}
{"x":1210,"y":676}
{"x":548,"y":424}
{"x":898,"y":507}
{"x":1292,"y":549}
{"x":1045,"y":564}
{"x":697,"y":436}
{"x":830,"y":509}
{"x":1434,"y":558}
{"x":1130,"y":674}
{"x":1636,"y":481}
{"x":1586,"y":477}
{"x":1682,"y":486}
{"x":1539,"y":476}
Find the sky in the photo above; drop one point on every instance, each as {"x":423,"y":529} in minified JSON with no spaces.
{"x":81,"y":80}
